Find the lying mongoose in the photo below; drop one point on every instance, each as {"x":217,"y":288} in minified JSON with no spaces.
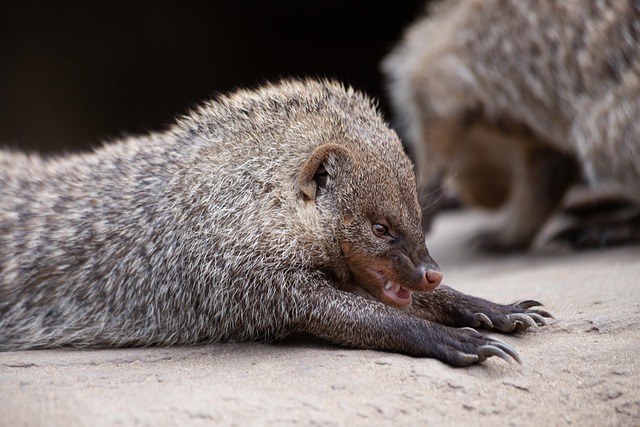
{"x":512,"y":100}
{"x":291,"y":209}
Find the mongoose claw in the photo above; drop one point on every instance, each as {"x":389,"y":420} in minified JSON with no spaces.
{"x":472,"y":347}
{"x":506,"y":348}
{"x":540,"y":312}
{"x":493,"y":350}
{"x":482,"y":319}
{"x":527,"y":304}
{"x":540,"y":320}
{"x":517,"y":322}
{"x":521,"y":318}
{"x":473,"y":331}
{"x":466,"y":359}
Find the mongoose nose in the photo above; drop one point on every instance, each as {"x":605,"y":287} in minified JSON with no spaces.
{"x":433,"y":277}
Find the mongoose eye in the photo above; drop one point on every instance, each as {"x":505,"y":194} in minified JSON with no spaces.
{"x":380,"y":230}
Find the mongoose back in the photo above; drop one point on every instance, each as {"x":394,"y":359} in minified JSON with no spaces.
{"x":512,"y":99}
{"x":288,"y":209}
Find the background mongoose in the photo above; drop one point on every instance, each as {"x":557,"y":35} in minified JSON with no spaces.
{"x":511,"y":99}
{"x":290,"y":209}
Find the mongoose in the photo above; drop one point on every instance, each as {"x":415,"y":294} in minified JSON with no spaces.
{"x":291,"y":209}
{"x":513,"y":100}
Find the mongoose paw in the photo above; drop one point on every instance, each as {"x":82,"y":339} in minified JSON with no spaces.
{"x":472,"y":347}
{"x":511,"y":318}
{"x":613,"y":229}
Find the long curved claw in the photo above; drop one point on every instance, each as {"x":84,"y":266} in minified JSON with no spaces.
{"x":510,"y":351}
{"x":508,"y":325}
{"x":543,"y":313}
{"x":491,"y":350}
{"x":524,"y":318}
{"x":466,"y":359}
{"x":538,"y":319}
{"x":473,"y":331}
{"x":507,"y":349}
{"x":528,"y":304}
{"x":483,"y":320}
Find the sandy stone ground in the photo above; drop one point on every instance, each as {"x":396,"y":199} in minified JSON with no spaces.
{"x":582,"y":370}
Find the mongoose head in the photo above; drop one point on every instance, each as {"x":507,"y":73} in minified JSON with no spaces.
{"x":362,"y":183}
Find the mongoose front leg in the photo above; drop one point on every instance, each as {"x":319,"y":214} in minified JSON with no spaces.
{"x":354,"y":321}
{"x":450,"y":307}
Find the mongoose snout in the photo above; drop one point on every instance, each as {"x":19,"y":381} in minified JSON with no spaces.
{"x":290,"y":209}
{"x":433,"y":278}
{"x":400,"y":267}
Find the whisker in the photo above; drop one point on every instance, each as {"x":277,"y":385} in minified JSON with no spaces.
{"x":437,"y":191}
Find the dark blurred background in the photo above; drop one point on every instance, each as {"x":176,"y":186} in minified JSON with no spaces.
{"x":73,"y":74}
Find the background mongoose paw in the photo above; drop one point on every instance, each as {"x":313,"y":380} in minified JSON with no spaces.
{"x":510,"y":318}
{"x":466,"y":346}
{"x":612,"y":229}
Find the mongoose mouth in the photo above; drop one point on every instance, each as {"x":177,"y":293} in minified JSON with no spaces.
{"x":391,"y":293}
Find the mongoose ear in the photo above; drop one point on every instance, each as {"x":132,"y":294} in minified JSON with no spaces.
{"x":313,"y":175}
